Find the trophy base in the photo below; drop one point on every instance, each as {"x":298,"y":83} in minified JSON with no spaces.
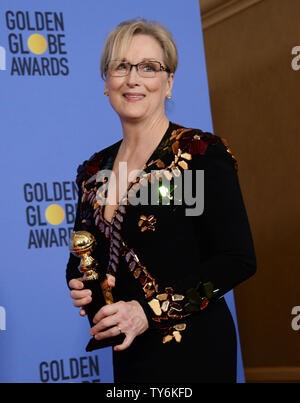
{"x":94,"y":344}
{"x":92,"y":308}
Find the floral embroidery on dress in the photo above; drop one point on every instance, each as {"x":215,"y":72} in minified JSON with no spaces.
{"x":94,"y":163}
{"x":194,"y":142}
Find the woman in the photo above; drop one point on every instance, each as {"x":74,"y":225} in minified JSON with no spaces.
{"x":169,"y":267}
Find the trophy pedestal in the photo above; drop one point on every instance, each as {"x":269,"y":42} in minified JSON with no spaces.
{"x":94,"y":344}
{"x":91,"y":309}
{"x":82,"y":244}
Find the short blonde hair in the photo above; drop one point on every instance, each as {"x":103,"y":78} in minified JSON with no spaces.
{"x":119,"y":39}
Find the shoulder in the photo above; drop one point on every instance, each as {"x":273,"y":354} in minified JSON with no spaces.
{"x":201,"y":145}
{"x":96,"y":162}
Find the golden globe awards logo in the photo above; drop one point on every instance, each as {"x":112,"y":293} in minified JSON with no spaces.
{"x":37,"y":44}
{"x":50,"y":213}
{"x":85,"y":369}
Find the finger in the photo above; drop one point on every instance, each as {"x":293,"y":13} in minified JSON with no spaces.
{"x":106,"y":310}
{"x":111,"y":280}
{"x":75,"y":294}
{"x":126,"y":343}
{"x":112,"y":332}
{"x":82,"y":301}
{"x":104,"y":324}
{"x":76,"y":283}
{"x":82,"y":312}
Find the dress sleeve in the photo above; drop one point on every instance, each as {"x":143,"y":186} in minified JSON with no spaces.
{"x":72,"y":270}
{"x":223,"y":227}
{"x":223,"y":235}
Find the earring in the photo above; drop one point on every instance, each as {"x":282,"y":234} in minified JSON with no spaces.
{"x":106,"y":92}
{"x":169,"y":96}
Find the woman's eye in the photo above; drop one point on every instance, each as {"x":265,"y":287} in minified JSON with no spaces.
{"x":121,"y":66}
{"x":148,"y":67}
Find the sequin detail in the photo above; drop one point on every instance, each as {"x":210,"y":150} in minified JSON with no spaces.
{"x":224,"y":141}
{"x":147,"y":223}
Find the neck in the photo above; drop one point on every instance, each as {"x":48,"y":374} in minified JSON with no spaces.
{"x":143,"y":135}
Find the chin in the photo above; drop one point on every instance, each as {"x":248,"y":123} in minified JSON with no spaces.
{"x":132,"y":118}
{"x":131,"y":115}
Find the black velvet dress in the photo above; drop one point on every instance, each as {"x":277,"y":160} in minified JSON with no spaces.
{"x":177,"y":259}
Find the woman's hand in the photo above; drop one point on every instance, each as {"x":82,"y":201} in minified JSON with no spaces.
{"x":121,"y":317}
{"x":82,"y":296}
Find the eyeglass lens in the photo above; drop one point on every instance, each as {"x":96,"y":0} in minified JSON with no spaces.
{"x":144,"y":69}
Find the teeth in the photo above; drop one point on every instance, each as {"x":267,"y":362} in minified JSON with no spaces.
{"x":134,"y":96}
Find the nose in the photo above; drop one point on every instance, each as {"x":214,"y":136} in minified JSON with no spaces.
{"x":133,"y":77}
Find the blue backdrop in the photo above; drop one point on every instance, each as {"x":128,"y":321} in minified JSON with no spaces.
{"x":53,"y":116}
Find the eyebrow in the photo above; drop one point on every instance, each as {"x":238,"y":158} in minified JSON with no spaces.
{"x":146,"y":59}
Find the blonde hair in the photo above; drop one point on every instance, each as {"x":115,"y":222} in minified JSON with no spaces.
{"x":119,"y":39}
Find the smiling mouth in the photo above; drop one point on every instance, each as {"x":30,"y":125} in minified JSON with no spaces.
{"x":133,"y":97}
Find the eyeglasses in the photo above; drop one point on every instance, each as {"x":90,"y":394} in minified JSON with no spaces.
{"x":118,"y":68}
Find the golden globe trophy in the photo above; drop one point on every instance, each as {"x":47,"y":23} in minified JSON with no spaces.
{"x":82,"y":244}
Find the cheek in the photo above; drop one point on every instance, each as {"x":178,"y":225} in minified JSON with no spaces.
{"x":114,"y":90}
{"x":157,"y":93}
{"x":156,"y":87}
{"x":114,"y":84}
